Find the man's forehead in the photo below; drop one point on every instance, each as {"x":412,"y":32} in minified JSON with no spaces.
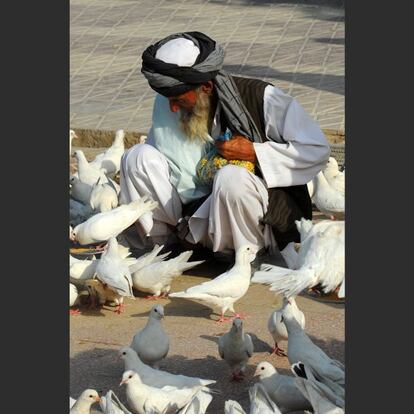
{"x":191,"y":94}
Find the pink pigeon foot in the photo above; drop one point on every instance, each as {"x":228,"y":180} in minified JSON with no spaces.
{"x":74,"y":312}
{"x":278,"y":351}
{"x":153,"y":297}
{"x":119,"y":309}
{"x":240,"y":315}
{"x":223,"y":319}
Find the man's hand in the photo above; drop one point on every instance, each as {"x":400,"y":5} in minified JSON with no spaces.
{"x":238,"y":148}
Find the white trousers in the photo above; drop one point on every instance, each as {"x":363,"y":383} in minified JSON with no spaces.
{"x":229,"y":218}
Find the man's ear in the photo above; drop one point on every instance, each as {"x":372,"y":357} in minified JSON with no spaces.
{"x":207,"y":87}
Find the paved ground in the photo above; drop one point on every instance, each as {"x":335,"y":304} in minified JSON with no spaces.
{"x":297,"y":45}
{"x":97,"y":335}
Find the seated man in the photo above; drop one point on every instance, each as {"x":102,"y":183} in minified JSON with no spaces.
{"x":198,"y":101}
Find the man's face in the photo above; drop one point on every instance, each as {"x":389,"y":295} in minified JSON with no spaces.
{"x":185,"y":102}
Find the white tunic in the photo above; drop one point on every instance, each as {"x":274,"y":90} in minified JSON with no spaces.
{"x":296,"y":151}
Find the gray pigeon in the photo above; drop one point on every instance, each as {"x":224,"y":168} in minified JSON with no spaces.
{"x":152,"y":343}
{"x":281,"y":389}
{"x":323,"y":400}
{"x":84,"y":402}
{"x":301,"y":348}
{"x":236,"y":347}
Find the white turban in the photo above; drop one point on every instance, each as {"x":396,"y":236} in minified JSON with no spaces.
{"x":180,"y":51}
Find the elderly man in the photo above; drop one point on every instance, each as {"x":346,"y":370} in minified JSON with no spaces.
{"x":196,"y":102}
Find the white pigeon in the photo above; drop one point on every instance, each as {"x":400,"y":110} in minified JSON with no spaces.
{"x":341,"y":292}
{"x":156,"y":278}
{"x":290,"y":255}
{"x":281,"y":388}
{"x":311,"y":188}
{"x":149,"y":258}
{"x":166,"y":400}
{"x":304,"y":227}
{"x":226,"y":289}
{"x":160,"y":379}
{"x":74,"y":298}
{"x":82,"y":269}
{"x":260,"y":403}
{"x":103,"y":197}
{"x":152,"y":343}
{"x":87,"y":174}
{"x":71,"y":402}
{"x":236,"y":348}
{"x":307,"y":228}
{"x":155,"y":377}
{"x":302,"y":349}
{"x":73,"y":294}
{"x":335,"y":178}
{"x":322,"y":399}
{"x":277,"y":328}
{"x":72,"y":134}
{"x":84,"y":402}
{"x":110,"y":160}
{"x":102,"y":226}
{"x":327,"y":199}
{"x":321,"y":260}
{"x":114,"y":273}
{"x":233,"y":407}
{"x":80,"y":191}
{"x":110,"y":404}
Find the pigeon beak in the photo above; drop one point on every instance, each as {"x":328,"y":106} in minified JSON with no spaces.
{"x":75,"y":136}
{"x":97,"y":399}
{"x":122,"y":382}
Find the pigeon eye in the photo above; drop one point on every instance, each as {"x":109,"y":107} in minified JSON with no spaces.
{"x":123,"y":353}
{"x":262,"y":368}
{"x":91,"y":396}
{"x":130,"y":376}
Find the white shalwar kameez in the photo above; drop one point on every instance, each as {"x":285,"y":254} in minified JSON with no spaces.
{"x":231,"y":216}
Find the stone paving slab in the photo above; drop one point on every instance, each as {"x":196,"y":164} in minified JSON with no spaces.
{"x":296,"y":45}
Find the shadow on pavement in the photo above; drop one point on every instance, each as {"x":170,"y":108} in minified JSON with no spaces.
{"x":324,"y":82}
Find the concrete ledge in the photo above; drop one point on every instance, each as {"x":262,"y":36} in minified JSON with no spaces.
{"x":96,"y":138}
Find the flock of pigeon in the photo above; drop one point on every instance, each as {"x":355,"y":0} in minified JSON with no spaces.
{"x":95,"y":218}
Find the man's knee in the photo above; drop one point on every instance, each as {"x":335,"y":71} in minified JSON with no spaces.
{"x":140,"y":156}
{"x":231,"y":182}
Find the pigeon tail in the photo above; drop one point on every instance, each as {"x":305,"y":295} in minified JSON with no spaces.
{"x":285,"y":281}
